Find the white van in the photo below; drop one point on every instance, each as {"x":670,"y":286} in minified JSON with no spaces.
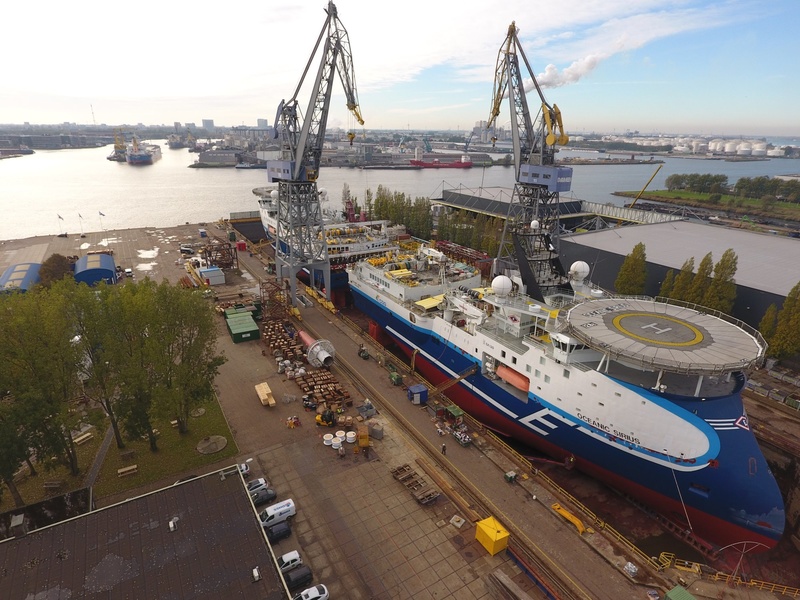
{"x":277,"y":513}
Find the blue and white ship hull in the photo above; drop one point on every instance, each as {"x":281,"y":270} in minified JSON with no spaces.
{"x":644,"y":431}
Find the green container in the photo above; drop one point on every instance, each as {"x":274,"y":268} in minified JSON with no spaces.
{"x":232,"y":236}
{"x":395,"y":378}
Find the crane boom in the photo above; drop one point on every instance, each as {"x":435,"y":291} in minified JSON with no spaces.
{"x":301,"y":143}
{"x":528,"y":248}
{"x":531,"y":144}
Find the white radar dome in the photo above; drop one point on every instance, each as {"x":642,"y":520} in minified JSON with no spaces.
{"x":579,"y":271}
{"x":274,"y":194}
{"x":501,"y":285}
{"x":323,"y":192}
{"x":534,"y":224}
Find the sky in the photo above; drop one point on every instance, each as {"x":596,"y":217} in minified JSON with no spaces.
{"x":721,"y":67}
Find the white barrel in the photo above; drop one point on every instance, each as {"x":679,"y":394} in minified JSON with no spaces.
{"x":340,"y":435}
{"x":351,"y":437}
{"x":327,"y":439}
{"x":336,"y":443}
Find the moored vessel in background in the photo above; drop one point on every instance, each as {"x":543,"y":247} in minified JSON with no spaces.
{"x":644,"y":395}
{"x":142,"y":154}
{"x":119,"y":154}
{"x":175,"y":141}
{"x":348,"y":241}
{"x":464,"y":163}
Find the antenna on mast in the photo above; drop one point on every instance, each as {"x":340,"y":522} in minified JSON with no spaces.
{"x":94,"y":122}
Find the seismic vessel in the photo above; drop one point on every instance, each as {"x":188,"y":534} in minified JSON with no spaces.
{"x":643,"y":394}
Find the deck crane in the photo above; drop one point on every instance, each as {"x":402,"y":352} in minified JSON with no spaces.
{"x":469,"y":139}
{"x":528,"y":249}
{"x":300,"y":243}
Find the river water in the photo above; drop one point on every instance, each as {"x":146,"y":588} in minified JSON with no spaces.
{"x":79,"y":185}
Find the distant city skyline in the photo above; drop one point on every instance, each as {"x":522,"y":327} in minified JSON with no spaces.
{"x":713,"y":68}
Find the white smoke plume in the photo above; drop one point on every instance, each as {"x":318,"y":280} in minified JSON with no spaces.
{"x":552,"y":78}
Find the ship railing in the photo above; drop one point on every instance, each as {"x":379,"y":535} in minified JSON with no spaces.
{"x":657,"y":363}
{"x":775,"y":588}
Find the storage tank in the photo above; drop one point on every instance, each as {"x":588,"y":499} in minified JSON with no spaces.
{"x":759,"y":149}
{"x":730,"y":147}
{"x":716,"y":146}
{"x":744,"y":149}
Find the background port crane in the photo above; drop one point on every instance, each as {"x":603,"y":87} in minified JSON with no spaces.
{"x":301,"y":242}
{"x":528,"y":248}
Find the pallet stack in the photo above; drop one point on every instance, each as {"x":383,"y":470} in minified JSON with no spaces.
{"x":280,"y":343}
{"x":323,"y":386}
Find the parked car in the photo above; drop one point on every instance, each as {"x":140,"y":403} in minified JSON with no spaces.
{"x":289,"y":561}
{"x":263,"y":496}
{"x":278,"y":532}
{"x":257,"y":484}
{"x":187,"y":250}
{"x":244,"y":469}
{"x":318,"y":592}
{"x":299,"y":578}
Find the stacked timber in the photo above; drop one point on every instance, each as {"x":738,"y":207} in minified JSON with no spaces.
{"x":283,"y":344}
{"x":323,"y":386}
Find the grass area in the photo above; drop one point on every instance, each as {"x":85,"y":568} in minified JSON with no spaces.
{"x":32,"y":489}
{"x":177,"y":454}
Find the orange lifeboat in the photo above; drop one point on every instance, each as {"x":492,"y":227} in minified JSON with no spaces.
{"x":515,"y":378}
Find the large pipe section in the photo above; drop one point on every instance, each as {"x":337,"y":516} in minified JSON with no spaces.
{"x":320,"y":352}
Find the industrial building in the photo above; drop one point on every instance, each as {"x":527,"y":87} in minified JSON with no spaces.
{"x":199,"y":539}
{"x":20,"y":277}
{"x":94,"y":268}
{"x":603,"y":235}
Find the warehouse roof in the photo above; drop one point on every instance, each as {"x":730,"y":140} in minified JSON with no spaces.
{"x":765,"y":261}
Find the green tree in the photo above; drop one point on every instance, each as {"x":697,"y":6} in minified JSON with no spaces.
{"x":90,"y":310}
{"x":786,"y":340}
{"x":135,"y":359}
{"x":721,"y":294}
{"x":667,"y":285}
{"x":701,"y":280}
{"x":13,"y":449}
{"x":184,"y":336}
{"x":769,"y":323}
{"x":54,"y":268}
{"x":633,"y":272}
{"x":680,"y":291}
{"x":40,"y":360}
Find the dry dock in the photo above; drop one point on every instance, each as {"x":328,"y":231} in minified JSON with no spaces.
{"x":361,"y":531}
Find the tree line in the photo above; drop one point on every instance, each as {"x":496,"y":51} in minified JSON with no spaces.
{"x":714,"y":286}
{"x":141,"y":351}
{"x":746,"y":187}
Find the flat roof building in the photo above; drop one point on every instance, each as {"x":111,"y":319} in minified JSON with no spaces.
{"x":198,"y":539}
